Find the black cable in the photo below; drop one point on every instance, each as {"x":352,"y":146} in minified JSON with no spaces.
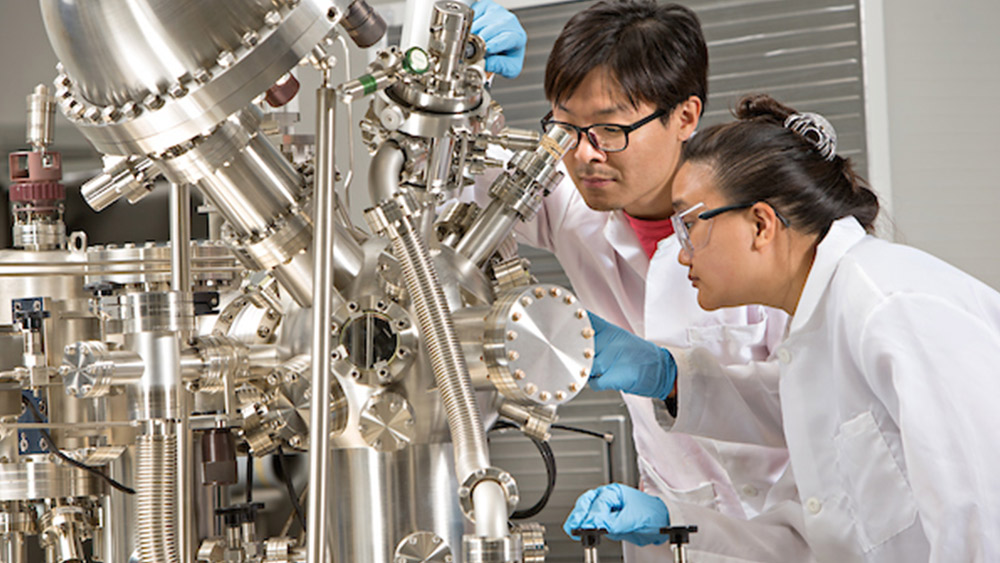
{"x":579,"y":430}
{"x":549,"y":458}
{"x":55,"y":449}
{"x":249,"y":477}
{"x":287,"y":478}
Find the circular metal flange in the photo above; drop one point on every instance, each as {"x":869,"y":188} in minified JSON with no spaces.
{"x":87,"y":369}
{"x":492,"y":550}
{"x":505,"y":480}
{"x":423,"y":547}
{"x":40,"y":480}
{"x":538,"y":345}
{"x":376,"y":341}
{"x":202,"y":97}
{"x":387,"y":423}
{"x":212,"y":264}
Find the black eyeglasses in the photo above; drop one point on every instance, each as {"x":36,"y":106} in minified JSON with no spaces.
{"x":605,"y":137}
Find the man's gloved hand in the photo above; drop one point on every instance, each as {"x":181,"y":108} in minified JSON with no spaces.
{"x":625,"y":362}
{"x":626,"y":513}
{"x":505,"y":38}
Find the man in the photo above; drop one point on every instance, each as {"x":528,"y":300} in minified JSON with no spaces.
{"x":630,"y":76}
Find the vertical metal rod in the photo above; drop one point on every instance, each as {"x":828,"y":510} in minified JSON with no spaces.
{"x":180,"y":281}
{"x":12,"y":548}
{"x":180,"y":237}
{"x":323,"y":293}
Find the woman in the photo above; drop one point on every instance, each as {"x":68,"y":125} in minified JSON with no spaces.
{"x":888,"y":374}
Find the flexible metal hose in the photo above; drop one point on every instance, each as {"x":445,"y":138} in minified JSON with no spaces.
{"x":447,"y":360}
{"x":156,"y":498}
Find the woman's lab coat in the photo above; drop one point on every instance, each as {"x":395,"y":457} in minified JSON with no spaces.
{"x":740,"y":496}
{"x":889,"y":380}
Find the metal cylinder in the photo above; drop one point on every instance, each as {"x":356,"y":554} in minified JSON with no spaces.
{"x":13,"y":548}
{"x":517,"y":194}
{"x":323,"y":293}
{"x":131,"y":178}
{"x":41,"y":117}
{"x":155,"y":485}
{"x":450,"y":24}
{"x":363,"y":24}
{"x":180,"y":237}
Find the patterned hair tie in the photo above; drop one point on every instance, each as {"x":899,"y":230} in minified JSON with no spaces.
{"x":814,"y":128}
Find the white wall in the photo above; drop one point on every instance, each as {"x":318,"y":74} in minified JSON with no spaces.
{"x":942,"y":77}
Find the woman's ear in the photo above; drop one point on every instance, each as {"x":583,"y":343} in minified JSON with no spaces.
{"x":688,"y":112}
{"x":766,"y":225}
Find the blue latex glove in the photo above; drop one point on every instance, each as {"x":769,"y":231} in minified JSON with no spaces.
{"x":625,"y":362}
{"x":505,"y":38}
{"x":626,"y":513}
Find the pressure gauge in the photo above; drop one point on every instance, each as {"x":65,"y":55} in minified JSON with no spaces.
{"x":416,"y":60}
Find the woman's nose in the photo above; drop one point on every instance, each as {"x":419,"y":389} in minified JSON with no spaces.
{"x":684,"y":257}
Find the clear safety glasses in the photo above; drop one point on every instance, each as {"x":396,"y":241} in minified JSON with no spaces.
{"x":685,"y":221}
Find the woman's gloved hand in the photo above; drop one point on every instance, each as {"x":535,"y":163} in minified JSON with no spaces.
{"x":627,"y":514}
{"x":505,"y":38}
{"x":625,"y":362}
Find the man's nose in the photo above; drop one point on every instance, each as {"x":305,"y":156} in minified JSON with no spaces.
{"x":585,"y":151}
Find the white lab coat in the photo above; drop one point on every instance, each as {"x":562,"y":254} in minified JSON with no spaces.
{"x":889,"y":379}
{"x":741,"y":496}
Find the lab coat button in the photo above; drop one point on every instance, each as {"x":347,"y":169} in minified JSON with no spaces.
{"x":814,"y":505}
{"x":784,"y":356}
{"x":749,"y":490}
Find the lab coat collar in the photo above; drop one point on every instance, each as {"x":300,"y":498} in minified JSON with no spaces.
{"x":623,"y":239}
{"x":844,"y":234}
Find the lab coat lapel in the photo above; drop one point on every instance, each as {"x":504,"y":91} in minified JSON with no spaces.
{"x":623,"y":239}
{"x":844,"y":233}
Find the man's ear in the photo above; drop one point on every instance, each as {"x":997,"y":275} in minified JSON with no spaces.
{"x":688,"y":112}
{"x":766,"y":225}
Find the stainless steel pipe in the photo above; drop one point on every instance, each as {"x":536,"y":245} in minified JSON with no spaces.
{"x":323,"y":296}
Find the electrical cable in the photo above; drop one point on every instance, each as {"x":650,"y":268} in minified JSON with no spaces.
{"x":249,"y":477}
{"x":55,"y":449}
{"x":607,"y":437}
{"x":287,"y":478}
{"x":549,"y":458}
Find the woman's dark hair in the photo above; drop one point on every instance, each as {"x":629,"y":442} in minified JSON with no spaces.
{"x":757,"y":158}
{"x":656,"y":52}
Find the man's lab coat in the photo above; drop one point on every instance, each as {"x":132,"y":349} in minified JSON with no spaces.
{"x":741,"y":496}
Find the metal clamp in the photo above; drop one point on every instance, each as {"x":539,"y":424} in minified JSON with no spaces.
{"x":505,"y":480}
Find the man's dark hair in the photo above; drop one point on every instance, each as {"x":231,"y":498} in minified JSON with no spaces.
{"x":656,"y":52}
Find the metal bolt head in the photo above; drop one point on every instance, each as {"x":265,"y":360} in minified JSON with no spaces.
{"x":588,"y":353}
{"x":530,"y":388}
{"x":226,"y":59}
{"x":513,"y":355}
{"x":539,"y":292}
{"x":272,"y":18}
{"x":515,"y":317}
{"x":250,"y":39}
{"x":511,"y":335}
{"x":580,"y":313}
{"x":153,"y":101}
{"x":544,"y":395}
{"x":110,"y":114}
{"x":588,"y":333}
{"x":519,"y":374}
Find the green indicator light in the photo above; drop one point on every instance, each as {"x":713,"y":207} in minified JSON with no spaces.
{"x":416,"y":60}
{"x":368,"y":81}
